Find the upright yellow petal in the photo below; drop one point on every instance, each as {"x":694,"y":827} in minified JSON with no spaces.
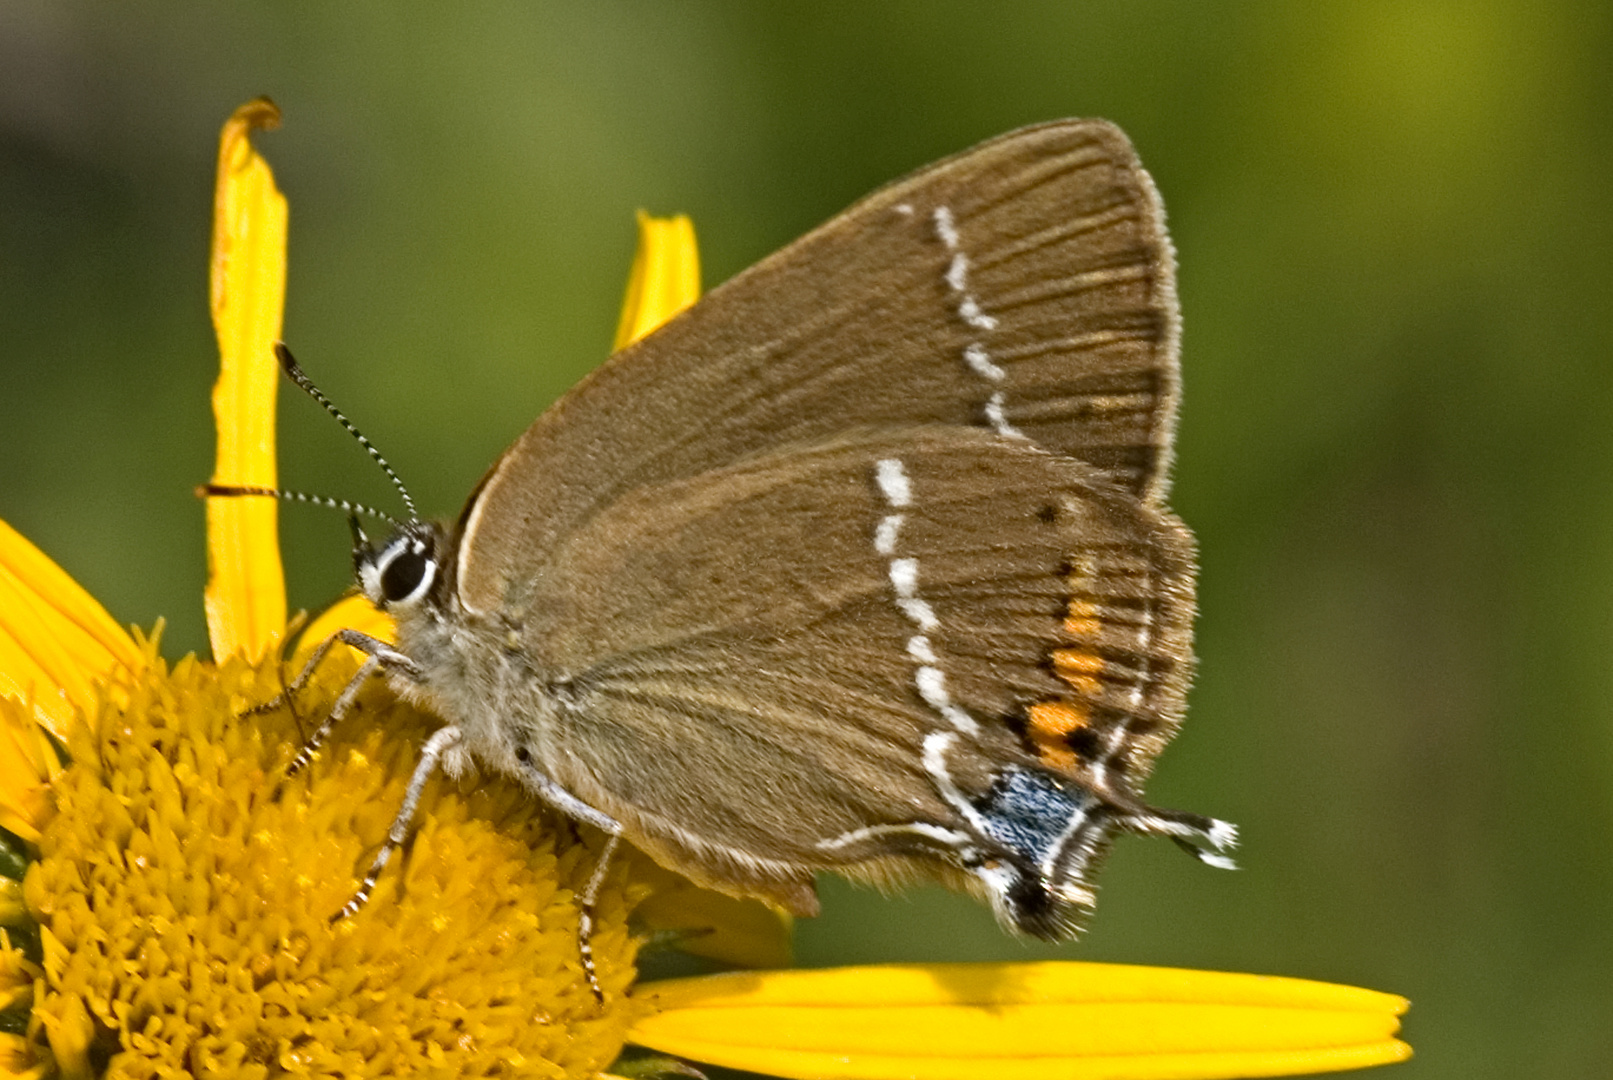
{"x":246,"y":591}
{"x":1043,"y":1021}
{"x":55,"y":640}
{"x":665,"y":277}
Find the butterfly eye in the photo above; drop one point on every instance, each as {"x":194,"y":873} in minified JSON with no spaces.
{"x":407,"y":574}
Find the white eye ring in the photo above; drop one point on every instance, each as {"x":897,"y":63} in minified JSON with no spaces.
{"x":392,"y":569}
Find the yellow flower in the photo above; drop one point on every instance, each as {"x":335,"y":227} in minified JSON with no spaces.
{"x":165,"y":887}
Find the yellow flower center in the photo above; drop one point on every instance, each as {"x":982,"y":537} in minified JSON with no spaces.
{"x":185,"y":887}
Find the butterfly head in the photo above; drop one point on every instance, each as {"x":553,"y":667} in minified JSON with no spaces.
{"x":398,"y":575}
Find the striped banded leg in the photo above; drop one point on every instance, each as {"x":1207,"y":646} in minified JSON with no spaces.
{"x":585,"y":915}
{"x":441,"y":742}
{"x":380,"y":656}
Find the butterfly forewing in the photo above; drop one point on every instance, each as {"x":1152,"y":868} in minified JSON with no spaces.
{"x":1026,"y":285}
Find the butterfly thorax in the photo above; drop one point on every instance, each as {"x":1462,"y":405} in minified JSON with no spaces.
{"x":467,"y":671}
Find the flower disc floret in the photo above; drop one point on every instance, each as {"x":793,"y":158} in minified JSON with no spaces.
{"x":184,"y":893}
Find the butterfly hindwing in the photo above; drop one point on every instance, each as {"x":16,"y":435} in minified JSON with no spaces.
{"x":754,"y":662}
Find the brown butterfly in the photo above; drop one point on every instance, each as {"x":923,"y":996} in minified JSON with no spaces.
{"x":860,"y":564}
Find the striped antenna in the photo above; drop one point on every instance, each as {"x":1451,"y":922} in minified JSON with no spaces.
{"x":288,"y":364}
{"x":205,"y":491}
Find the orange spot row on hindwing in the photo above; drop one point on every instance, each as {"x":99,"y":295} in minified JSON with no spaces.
{"x":1052,"y":722}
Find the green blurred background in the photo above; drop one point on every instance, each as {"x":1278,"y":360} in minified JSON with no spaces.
{"x":1393,"y":223}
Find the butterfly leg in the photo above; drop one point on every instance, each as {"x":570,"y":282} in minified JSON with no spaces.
{"x":380,"y":656}
{"x":574,"y":808}
{"x":585,"y":915}
{"x":443,"y":741}
{"x":447,"y":742}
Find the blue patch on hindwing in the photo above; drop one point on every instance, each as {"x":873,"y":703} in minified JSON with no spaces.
{"x":1028,"y":811}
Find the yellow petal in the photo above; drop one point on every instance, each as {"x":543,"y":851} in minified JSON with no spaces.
{"x":665,"y":277}
{"x":55,"y":640}
{"x":352,"y":612}
{"x":28,"y":763}
{"x":1010,"y":1021}
{"x":744,"y":933}
{"x":246,"y":592}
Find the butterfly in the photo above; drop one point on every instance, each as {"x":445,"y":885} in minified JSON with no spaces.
{"x":861,"y":564}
